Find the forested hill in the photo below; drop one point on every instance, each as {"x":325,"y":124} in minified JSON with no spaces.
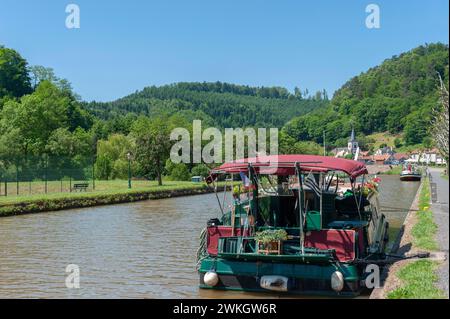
{"x":396,"y":96}
{"x":220,"y":104}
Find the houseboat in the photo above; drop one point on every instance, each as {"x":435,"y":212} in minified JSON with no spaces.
{"x":410,"y":173}
{"x":287,"y":227}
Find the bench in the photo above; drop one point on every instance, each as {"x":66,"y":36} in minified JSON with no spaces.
{"x":80,"y":186}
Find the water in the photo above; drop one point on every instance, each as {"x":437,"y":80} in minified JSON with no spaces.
{"x":395,"y":199}
{"x":138,"y":250}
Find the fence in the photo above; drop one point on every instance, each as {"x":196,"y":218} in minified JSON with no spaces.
{"x":44,"y":174}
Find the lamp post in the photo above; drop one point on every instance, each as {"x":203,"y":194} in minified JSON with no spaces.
{"x":129,"y":169}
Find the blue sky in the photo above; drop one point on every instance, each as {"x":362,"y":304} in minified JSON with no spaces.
{"x":123,"y":46}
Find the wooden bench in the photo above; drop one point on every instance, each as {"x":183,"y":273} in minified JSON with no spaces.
{"x":80,"y":186}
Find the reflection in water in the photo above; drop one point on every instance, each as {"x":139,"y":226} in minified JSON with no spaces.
{"x":139,"y":250}
{"x":395,"y":199}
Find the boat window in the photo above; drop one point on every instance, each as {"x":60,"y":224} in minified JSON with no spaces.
{"x":274,"y":185}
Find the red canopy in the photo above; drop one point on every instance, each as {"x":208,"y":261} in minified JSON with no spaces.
{"x":285,"y":165}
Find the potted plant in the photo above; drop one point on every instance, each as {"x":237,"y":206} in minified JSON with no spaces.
{"x":270,"y":241}
{"x":236,"y":192}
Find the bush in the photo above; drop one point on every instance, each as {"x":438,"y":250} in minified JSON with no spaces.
{"x":103,"y":167}
{"x":177,"y":172}
{"x":200,"y":170}
{"x":398,"y":142}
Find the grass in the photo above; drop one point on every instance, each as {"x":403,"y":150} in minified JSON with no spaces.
{"x":396,"y":170}
{"x":106,"y":193}
{"x":419,"y":280}
{"x":27,"y":189}
{"x":425,"y":229}
{"x":383,"y":138}
{"x":419,"y":277}
{"x":101,"y":188}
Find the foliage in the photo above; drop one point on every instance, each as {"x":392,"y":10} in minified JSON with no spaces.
{"x":289,"y":145}
{"x":223,"y":104}
{"x":177,"y":172}
{"x":103,"y":167}
{"x":200,"y":170}
{"x":152,"y":144}
{"x":269,"y":235}
{"x":440,"y":127}
{"x":41,"y":116}
{"x":112,"y":159}
{"x":397,"y":142}
{"x":32,"y":122}
{"x":14,"y":78}
{"x":396,"y":96}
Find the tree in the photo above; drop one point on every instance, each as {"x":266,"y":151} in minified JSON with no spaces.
{"x":298,"y":93}
{"x":112,"y":154}
{"x":200,"y":170}
{"x":416,"y":128}
{"x":397,"y":95}
{"x":398,"y":142}
{"x":440,"y":127}
{"x":36,"y":116}
{"x":177,"y":172}
{"x":103,"y":167}
{"x":289,"y":145}
{"x":40,"y":73}
{"x":153,"y":143}
{"x":62,"y":142}
{"x":14,"y":78}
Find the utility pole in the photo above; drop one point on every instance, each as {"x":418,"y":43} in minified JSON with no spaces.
{"x":129,"y":169}
{"x":324,"y":148}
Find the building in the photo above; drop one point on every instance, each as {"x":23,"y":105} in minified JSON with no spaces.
{"x":384,"y":150}
{"x":429,"y":157}
{"x":339,"y":151}
{"x":400,"y":157}
{"x":352,"y":145}
{"x":382,"y":159}
{"x":366,"y":159}
{"x":364,"y":153}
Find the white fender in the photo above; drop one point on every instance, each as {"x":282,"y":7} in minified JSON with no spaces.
{"x":337,"y":281}
{"x":211,"y":278}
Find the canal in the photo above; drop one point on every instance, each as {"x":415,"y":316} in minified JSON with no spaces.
{"x":139,"y":250}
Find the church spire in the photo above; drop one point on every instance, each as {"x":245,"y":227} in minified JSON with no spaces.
{"x":352,"y":143}
{"x":352,"y":136}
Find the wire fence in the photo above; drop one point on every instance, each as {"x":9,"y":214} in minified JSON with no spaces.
{"x":44,"y":174}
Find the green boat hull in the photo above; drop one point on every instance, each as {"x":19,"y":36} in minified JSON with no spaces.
{"x":303,"y":278}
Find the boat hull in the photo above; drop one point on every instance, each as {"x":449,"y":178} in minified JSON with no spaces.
{"x":305,"y":279}
{"x":410,"y":177}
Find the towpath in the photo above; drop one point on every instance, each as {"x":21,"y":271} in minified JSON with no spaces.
{"x":439,"y":200}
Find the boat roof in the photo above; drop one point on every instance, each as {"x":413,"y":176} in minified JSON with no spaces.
{"x":285,"y":165}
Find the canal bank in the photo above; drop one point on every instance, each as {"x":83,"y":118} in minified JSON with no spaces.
{"x":414,"y":278}
{"x":55,"y":202}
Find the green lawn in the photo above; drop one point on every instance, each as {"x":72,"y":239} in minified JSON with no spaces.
{"x":419,"y":280}
{"x":396,"y":170}
{"x":101,"y":188}
{"x":419,"y":277}
{"x":425,"y":229}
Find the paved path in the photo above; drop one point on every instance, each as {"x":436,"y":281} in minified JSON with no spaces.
{"x":439,"y":199}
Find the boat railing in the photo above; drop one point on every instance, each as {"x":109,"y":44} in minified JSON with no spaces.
{"x":239,"y":247}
